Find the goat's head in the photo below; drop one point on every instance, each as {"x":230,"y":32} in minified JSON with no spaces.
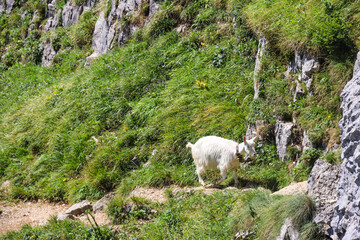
{"x":249,"y":147}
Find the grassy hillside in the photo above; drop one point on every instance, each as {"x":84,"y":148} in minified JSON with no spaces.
{"x":69,"y":132}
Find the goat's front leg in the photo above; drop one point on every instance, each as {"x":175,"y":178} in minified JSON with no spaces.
{"x":235,"y":178}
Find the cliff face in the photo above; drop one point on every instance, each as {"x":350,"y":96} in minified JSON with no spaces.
{"x":345,"y":222}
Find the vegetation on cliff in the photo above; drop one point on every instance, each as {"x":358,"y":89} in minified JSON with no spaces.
{"x":69,"y":132}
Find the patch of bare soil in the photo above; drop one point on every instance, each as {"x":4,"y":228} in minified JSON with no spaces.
{"x":15,"y":215}
{"x":293,"y":189}
{"x":158,"y":194}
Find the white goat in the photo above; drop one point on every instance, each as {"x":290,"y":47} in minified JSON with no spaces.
{"x":213,"y":152}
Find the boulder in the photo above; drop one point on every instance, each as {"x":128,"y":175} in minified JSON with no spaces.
{"x":79,"y":208}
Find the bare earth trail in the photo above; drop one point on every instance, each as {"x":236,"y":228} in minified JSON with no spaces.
{"x":15,"y":215}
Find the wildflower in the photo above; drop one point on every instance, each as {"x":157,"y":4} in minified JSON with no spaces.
{"x":244,"y":39}
{"x":329,"y":116}
{"x":202,"y":44}
{"x":64,"y":179}
{"x":206,"y":5}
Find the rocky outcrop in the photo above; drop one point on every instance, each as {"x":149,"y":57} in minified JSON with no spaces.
{"x":6,"y":6}
{"x":346,"y":220}
{"x":9,"y":5}
{"x":322,"y":186}
{"x":2,"y":6}
{"x":260,"y":53}
{"x":53,"y":17}
{"x":283,"y":131}
{"x":110,"y":30}
{"x":70,"y":14}
{"x":302,"y":67}
{"x":306,"y":143}
{"x":48,"y":54}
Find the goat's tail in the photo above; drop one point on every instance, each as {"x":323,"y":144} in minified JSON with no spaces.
{"x":189,"y":145}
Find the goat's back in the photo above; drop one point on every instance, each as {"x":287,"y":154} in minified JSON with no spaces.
{"x":212,"y":151}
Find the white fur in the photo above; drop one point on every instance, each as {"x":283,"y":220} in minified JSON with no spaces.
{"x":213,"y":152}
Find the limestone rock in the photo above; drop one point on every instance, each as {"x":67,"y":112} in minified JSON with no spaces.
{"x":2,"y":6}
{"x":52,"y":22}
{"x":283,"y":131}
{"x":306,"y":143}
{"x":345,"y":222}
{"x":288,"y":231}
{"x":102,"y":203}
{"x":303,"y":67}
{"x":71,"y":14}
{"x":252,"y":129}
{"x":111,"y":31}
{"x":79,"y":208}
{"x":9,"y":5}
{"x":63,"y":217}
{"x":48,"y":54}
{"x":322,"y":185}
{"x":261,"y":51}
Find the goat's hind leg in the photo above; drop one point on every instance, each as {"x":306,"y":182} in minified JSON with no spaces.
{"x":224,"y":176}
{"x":199,"y":170}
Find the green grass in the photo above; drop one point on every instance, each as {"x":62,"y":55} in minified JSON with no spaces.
{"x":70,"y":132}
{"x":67,"y":229}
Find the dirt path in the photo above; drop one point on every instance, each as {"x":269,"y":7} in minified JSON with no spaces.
{"x":15,"y":215}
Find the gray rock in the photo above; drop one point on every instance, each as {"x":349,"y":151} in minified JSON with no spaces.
{"x":48,"y":54}
{"x":2,"y":6}
{"x":260,"y":53}
{"x":79,"y":208}
{"x":9,"y":5}
{"x":283,"y":131}
{"x":102,"y":203}
{"x":154,"y":7}
{"x":322,"y":186}
{"x":110,"y":31}
{"x":346,"y":220}
{"x":99,"y":43}
{"x":51,"y":9}
{"x":288,"y":231}
{"x":53,"y":16}
{"x":63,"y":217}
{"x":303,"y":67}
{"x":306,"y":143}
{"x":71,"y":14}
{"x":252,"y":129}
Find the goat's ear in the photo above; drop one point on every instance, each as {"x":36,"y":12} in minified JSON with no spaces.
{"x":244,"y":138}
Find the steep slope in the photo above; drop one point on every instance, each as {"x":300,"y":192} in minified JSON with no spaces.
{"x":160,"y":74}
